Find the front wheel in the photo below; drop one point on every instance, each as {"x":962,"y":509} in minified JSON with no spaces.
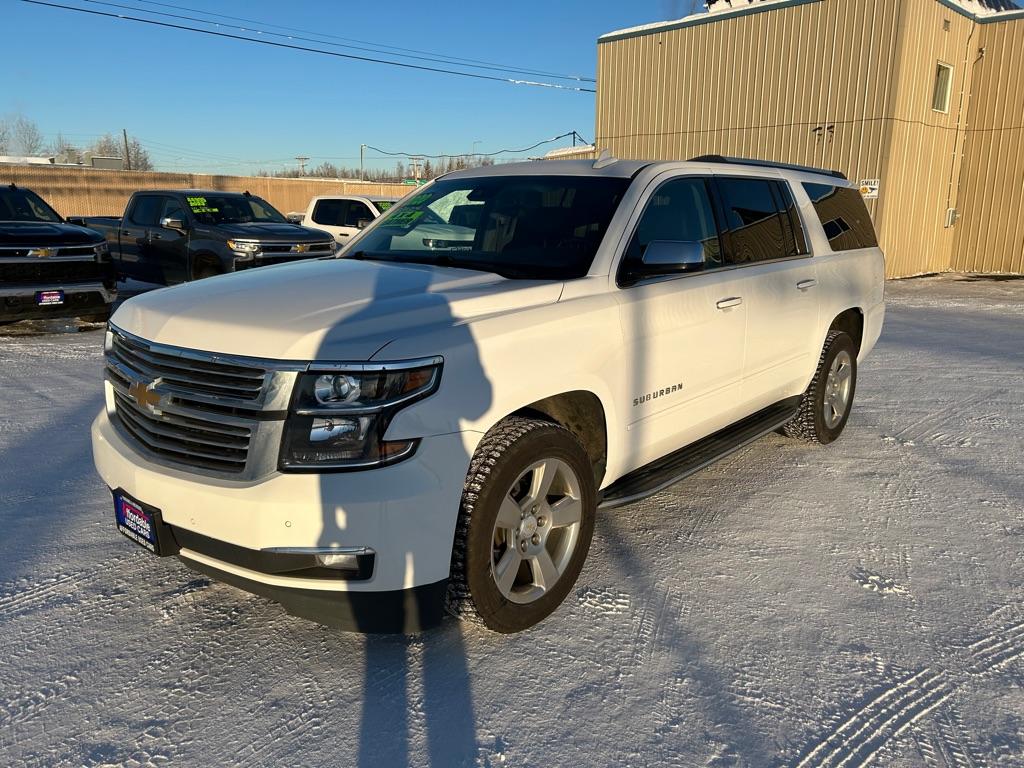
{"x":525,"y":525}
{"x":825,"y":406}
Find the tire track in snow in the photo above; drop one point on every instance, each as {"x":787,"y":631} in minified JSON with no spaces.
{"x":997,"y":650}
{"x":26,"y":705}
{"x":856,"y":740}
{"x":933,"y":420}
{"x":16,"y":598}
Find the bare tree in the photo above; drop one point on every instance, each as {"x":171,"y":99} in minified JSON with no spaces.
{"x":26,"y":138}
{"x":5,"y":137}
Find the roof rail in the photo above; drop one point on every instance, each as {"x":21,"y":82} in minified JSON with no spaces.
{"x":765,"y":164}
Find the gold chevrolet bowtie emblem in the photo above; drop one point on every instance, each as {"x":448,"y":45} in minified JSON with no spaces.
{"x":146,"y":396}
{"x":301,"y":248}
{"x":42,"y":253}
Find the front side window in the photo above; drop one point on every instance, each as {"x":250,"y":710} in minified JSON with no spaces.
{"x":943,"y":87}
{"x":679,"y":211}
{"x":23,"y":205}
{"x":523,"y":227}
{"x":357,"y":211}
{"x":752,"y":220}
{"x":844,"y":216}
{"x":173,"y":210}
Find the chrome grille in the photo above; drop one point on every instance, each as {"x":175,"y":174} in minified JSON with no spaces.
{"x":205,"y":411}
{"x":184,"y":440}
{"x":191,"y":378}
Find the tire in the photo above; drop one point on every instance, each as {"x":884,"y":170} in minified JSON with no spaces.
{"x":99,"y":317}
{"x":203,"y":270}
{"x":513,"y":460}
{"x":826,"y":405}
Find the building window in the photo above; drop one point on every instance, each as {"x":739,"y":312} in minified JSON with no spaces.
{"x":943,"y":87}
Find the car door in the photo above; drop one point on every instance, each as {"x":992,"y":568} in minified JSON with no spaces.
{"x":765,"y":242}
{"x":169,"y":247}
{"x":684,"y":333}
{"x":133,"y":236}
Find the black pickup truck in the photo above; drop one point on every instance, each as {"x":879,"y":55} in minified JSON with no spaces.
{"x":48,"y":267}
{"x":173,"y":236}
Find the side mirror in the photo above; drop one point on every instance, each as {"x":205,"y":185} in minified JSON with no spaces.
{"x":363,"y":223}
{"x":668,"y":257}
{"x":169,"y":222}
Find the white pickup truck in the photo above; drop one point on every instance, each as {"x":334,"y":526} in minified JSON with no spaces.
{"x":423,"y":424}
{"x":344,"y":215}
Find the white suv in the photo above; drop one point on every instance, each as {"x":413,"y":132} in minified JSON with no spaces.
{"x":429,"y":422}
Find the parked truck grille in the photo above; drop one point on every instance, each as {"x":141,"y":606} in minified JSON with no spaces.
{"x":53,"y":272}
{"x":187,"y":408}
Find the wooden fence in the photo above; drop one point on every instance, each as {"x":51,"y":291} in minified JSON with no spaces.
{"x":93,"y":192}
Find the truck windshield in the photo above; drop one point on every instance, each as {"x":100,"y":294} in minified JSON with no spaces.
{"x":526,"y":227}
{"x":232,"y":209}
{"x":25,"y":205}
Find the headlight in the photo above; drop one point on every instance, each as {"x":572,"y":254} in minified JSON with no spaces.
{"x":244,"y":249}
{"x":338,"y":417}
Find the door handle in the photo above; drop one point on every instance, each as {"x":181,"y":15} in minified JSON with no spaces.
{"x":804,"y":285}
{"x":735,"y":301}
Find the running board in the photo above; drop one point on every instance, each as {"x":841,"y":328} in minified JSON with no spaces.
{"x":668,"y":470}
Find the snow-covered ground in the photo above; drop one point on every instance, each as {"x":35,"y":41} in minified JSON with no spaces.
{"x":790,"y":606}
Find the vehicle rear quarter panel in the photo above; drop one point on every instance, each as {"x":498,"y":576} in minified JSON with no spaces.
{"x":853,"y":279}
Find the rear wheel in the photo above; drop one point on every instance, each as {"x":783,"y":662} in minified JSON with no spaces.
{"x":525,"y":525}
{"x":825,"y":407}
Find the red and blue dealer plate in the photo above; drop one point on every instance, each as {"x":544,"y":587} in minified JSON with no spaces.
{"x":140,"y":523}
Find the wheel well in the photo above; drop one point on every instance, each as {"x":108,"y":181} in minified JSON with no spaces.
{"x":204,"y":259}
{"x":582,"y":414}
{"x":851,"y":322}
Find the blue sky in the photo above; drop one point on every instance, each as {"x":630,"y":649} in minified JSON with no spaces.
{"x":210,"y":104}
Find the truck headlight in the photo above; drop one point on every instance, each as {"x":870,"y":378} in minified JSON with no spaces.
{"x":338,"y":417}
{"x":244,"y":249}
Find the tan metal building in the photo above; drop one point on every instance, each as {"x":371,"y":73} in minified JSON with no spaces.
{"x":924,"y":96}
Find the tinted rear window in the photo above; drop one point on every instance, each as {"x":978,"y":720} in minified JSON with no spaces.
{"x":844,"y":216}
{"x":752,"y":220}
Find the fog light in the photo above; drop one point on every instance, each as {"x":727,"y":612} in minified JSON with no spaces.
{"x":343,"y":562}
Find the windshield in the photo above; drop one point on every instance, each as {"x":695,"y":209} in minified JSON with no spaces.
{"x":25,"y":205}
{"x":233,"y":209}
{"x":527,"y":227}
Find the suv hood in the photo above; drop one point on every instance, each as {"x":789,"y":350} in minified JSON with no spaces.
{"x":43,"y":233}
{"x":273,"y":232}
{"x":324,"y":309}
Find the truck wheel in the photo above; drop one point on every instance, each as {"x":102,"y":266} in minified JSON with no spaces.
{"x":99,"y":317}
{"x":203,"y":270}
{"x":525,"y":525}
{"x":826,"y":404}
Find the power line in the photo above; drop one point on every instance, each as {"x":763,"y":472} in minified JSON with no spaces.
{"x":475,"y":154}
{"x":289,"y":46}
{"x":437,"y":59}
{"x":452,"y":59}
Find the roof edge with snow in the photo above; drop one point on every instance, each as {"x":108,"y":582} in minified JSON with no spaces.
{"x":974,"y":9}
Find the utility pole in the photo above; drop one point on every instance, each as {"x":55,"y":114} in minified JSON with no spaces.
{"x":362,"y":169}
{"x":302,"y":164}
{"x":127,"y":155}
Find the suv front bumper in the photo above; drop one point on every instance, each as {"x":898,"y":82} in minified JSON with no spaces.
{"x":404,"y":513}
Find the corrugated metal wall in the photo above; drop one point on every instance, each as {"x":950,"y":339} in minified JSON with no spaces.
{"x":841,"y":84}
{"x":990,"y":233}
{"x":90,"y":192}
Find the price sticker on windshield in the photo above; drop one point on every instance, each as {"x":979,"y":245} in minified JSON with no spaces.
{"x":198,"y":205}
